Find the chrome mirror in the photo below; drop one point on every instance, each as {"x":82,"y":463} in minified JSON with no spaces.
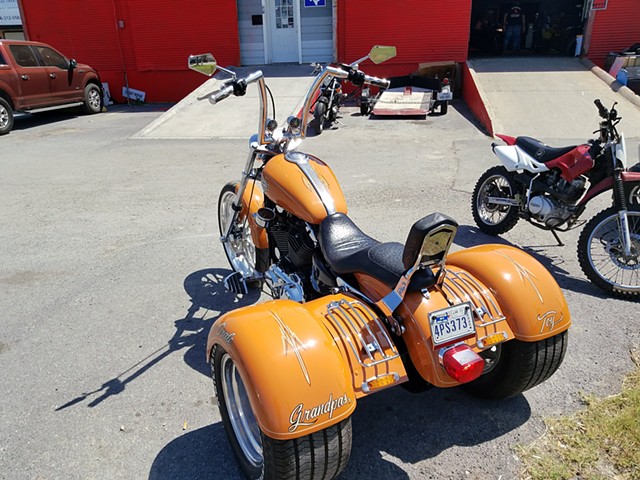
{"x":381,"y":53}
{"x":203,"y":63}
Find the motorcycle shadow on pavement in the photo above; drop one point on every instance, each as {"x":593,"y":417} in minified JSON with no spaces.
{"x":201,"y":453}
{"x":209,"y":300}
{"x":390,"y":429}
{"x":470,"y":236}
{"x":396,"y":427}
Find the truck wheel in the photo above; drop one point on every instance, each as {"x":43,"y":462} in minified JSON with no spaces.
{"x":492,"y":218}
{"x":516,"y":366}
{"x":6,"y":117}
{"x":92,"y":99}
{"x":319,"y":455}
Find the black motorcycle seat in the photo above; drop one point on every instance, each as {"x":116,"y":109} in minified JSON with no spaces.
{"x":347,"y":250}
{"x":541,"y":152}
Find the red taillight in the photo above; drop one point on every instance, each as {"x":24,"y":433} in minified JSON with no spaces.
{"x":445,"y":82}
{"x":462,"y":364}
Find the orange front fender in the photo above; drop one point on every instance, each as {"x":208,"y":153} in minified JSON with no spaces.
{"x":528,"y":295}
{"x":252,"y":200}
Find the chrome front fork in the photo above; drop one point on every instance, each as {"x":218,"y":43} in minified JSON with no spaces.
{"x":236,"y":206}
{"x":626,"y":235}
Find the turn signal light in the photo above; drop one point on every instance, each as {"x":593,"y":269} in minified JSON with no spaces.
{"x":462,"y":364}
{"x":380,"y":382}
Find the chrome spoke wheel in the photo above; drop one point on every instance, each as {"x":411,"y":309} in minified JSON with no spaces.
{"x":241,"y":416}
{"x":606,"y":255}
{"x":492,"y":213}
{"x":239,"y":246}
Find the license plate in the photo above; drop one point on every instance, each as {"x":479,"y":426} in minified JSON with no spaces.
{"x":452,"y":323}
{"x":445,"y":95}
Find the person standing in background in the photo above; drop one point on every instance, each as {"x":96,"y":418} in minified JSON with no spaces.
{"x":514,"y":27}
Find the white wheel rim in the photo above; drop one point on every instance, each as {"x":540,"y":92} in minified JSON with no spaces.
{"x":4,"y":117}
{"x":604,"y":252}
{"x":492,"y":214}
{"x":239,"y":246}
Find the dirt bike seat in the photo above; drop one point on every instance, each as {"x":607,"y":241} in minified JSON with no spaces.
{"x":347,"y":250}
{"x":541,"y":152}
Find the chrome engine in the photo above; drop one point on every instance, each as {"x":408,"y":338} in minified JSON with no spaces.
{"x":556,"y":204}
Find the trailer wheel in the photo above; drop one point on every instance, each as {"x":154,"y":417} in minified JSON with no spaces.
{"x":319,"y":455}
{"x":516,"y":366}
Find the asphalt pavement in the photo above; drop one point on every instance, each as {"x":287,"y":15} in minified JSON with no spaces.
{"x":110,"y":278}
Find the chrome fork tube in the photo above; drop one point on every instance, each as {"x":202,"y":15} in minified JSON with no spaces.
{"x":248,"y":168}
{"x":236,"y":206}
{"x":625,"y":234}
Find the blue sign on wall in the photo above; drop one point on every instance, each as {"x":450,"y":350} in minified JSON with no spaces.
{"x":315,"y":3}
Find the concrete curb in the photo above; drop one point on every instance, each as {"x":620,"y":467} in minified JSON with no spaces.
{"x":616,"y":86}
{"x":495,"y":124}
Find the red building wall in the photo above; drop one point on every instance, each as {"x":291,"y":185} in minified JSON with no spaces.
{"x":614,"y":29}
{"x":422,"y":31}
{"x":145,"y":42}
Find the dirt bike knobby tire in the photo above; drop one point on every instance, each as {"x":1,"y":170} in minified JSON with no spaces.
{"x":319,"y":455}
{"x":521,"y":366}
{"x":510,"y":219}
{"x":583,"y":254}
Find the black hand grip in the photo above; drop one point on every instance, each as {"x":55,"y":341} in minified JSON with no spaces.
{"x":356,"y":77}
{"x":604,"y":113}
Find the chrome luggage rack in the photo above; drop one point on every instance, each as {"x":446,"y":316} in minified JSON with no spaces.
{"x":352,"y":314}
{"x":462,"y":287}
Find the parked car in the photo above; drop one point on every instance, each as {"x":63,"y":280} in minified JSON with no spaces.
{"x":35,"y":77}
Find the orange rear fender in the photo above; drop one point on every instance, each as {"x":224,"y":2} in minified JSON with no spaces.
{"x":527,"y":293}
{"x":297,"y":380}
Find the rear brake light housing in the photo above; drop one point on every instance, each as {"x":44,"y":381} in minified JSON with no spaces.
{"x":461,"y":363}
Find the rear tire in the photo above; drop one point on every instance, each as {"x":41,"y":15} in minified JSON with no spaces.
{"x":444,"y":107}
{"x":491,"y":218}
{"x":320,"y":455}
{"x":519,"y":366}
{"x":602,"y":258}
{"x":6,"y":117}
{"x":92,"y":99}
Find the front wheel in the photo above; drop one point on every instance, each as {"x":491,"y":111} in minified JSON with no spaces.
{"x":92,"y":99}
{"x":515,"y":366}
{"x":601,"y":253}
{"x":238,"y":247}
{"x":494,"y":218}
{"x":320,"y":455}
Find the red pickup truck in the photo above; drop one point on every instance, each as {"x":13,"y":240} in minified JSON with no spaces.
{"x":35,"y":77}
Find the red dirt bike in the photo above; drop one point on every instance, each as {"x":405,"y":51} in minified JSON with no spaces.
{"x":550,"y":188}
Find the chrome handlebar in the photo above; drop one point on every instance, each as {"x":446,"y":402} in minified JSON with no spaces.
{"x":238,"y":87}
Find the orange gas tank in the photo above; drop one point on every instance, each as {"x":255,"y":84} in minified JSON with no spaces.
{"x":304,"y":186}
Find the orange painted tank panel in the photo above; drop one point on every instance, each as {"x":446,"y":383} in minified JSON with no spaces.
{"x":288,"y":187}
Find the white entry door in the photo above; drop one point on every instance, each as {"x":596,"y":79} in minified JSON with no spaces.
{"x":284,"y":26}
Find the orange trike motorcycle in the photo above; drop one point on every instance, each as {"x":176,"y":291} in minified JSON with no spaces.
{"x":352,"y":316}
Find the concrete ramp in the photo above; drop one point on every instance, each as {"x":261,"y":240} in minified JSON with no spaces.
{"x":193,"y":118}
{"x":547,"y":98}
